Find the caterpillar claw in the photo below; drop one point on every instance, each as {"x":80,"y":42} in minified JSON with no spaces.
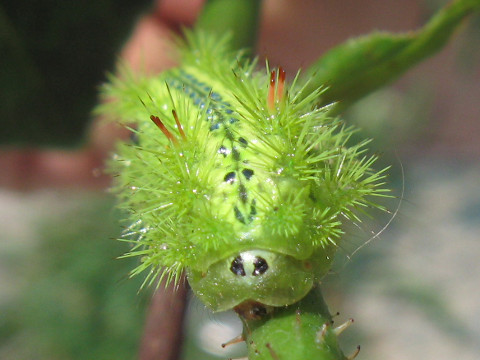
{"x":320,"y":336}
{"x":355,"y":353}
{"x":341,"y":328}
{"x":235,"y":340}
{"x":273,"y":354}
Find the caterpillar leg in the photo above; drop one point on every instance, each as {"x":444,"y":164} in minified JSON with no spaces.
{"x":272,"y":352}
{"x":355,"y":353}
{"x":235,"y":340}
{"x":341,"y":328}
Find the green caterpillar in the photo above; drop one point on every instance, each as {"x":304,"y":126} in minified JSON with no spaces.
{"x":235,"y":177}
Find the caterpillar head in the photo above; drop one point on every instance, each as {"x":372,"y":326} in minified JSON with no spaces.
{"x":263,"y":276}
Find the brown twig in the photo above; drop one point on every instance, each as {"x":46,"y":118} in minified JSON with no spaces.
{"x":162,"y":337}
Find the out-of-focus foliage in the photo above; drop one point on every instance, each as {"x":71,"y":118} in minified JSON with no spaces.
{"x":74,"y":300}
{"x":54,"y":55}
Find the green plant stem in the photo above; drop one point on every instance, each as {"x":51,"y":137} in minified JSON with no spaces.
{"x":237,"y":17}
{"x":296,"y":332}
{"x":360,"y":66}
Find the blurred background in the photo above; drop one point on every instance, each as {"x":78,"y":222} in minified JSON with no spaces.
{"x":413,"y":291}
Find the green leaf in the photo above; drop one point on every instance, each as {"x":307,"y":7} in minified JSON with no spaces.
{"x":360,"y":66}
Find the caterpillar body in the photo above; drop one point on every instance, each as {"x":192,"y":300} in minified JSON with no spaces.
{"x":235,"y":177}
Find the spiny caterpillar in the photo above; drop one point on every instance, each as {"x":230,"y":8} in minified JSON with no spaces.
{"x":235,"y":177}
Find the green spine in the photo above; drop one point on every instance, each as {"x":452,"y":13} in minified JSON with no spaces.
{"x":248,"y":176}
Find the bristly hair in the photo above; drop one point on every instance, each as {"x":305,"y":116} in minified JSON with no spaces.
{"x":227,"y":158}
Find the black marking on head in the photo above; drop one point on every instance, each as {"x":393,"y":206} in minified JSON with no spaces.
{"x":223,"y":150}
{"x":235,"y":154}
{"x":239,"y":215}
{"x":237,"y":266}
{"x":248,"y":173}
{"x":261,"y":266}
{"x":253,"y":210}
{"x":230,"y":177}
{"x":242,"y":191}
{"x":228,"y":134}
{"x":243,"y":142}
